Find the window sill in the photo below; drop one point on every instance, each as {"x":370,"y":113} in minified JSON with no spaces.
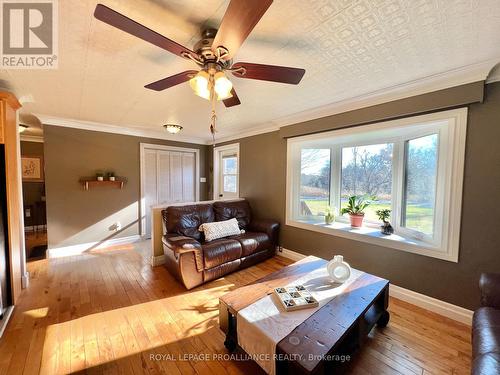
{"x":374,"y":236}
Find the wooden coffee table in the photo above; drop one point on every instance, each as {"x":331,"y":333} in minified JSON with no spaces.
{"x":340,"y":326}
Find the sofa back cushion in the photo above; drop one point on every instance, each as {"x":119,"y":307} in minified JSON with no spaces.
{"x":185,"y":220}
{"x":239,"y":210}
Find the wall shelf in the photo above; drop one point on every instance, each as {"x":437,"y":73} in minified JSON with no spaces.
{"x":92,"y":182}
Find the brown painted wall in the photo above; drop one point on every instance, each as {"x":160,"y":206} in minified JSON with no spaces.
{"x":75,"y":216}
{"x":262,"y":181}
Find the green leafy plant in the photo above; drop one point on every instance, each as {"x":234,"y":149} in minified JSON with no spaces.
{"x":356,"y":205}
{"x":99,"y":174}
{"x":110,"y":174}
{"x":383,"y":215}
{"x":329,"y":215}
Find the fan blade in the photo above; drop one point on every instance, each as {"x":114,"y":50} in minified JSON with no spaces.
{"x":113,"y":18}
{"x":165,"y":83}
{"x":238,"y":22}
{"x":274,"y":73}
{"x":233,"y":100}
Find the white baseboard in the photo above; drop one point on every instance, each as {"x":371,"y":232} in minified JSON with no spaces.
{"x":25,"y":280}
{"x":290,"y":254}
{"x":82,"y":248}
{"x":432,"y":304}
{"x":157,"y":260}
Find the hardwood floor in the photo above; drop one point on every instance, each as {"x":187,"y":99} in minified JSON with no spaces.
{"x":109,"y":312}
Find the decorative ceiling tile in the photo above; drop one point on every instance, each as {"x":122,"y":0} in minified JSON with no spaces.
{"x":348,"y":48}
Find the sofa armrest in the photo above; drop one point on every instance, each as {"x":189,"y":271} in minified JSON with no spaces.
{"x":270,"y":227}
{"x":489,"y":284}
{"x":181,"y":244}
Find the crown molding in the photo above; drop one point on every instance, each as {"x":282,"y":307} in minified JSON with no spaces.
{"x":32,"y":138}
{"x":247,"y":133}
{"x":494,"y":75}
{"x":114,"y":129}
{"x":456,"y":77}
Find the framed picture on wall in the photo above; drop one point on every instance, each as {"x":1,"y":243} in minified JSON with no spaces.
{"x":32,"y":168}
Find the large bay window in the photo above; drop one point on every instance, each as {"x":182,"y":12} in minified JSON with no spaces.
{"x":412,"y":166}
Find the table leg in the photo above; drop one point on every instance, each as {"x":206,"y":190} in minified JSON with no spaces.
{"x":227,"y":323}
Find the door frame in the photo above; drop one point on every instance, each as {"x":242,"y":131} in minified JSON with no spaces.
{"x":159,"y":147}
{"x":216,"y":178}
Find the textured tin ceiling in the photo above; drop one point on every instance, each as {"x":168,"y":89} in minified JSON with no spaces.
{"x":348,"y":48}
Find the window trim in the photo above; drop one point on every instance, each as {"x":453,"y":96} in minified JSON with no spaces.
{"x":450,"y":172}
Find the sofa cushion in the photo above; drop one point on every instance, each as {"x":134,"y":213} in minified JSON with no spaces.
{"x":253,"y":242}
{"x":486,"y":364}
{"x":220,"y":251}
{"x":225,"y":210}
{"x":220,"y":229}
{"x":185,"y":220}
{"x":486,"y":331}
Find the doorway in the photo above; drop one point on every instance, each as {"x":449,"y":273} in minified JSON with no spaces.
{"x":34,"y":204}
{"x":227,"y":171}
{"x":168,"y":175}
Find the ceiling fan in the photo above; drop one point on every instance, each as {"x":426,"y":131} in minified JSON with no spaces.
{"x":213,"y":54}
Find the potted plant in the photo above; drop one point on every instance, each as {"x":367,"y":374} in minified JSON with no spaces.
{"x":355,"y":208}
{"x":111,"y":176}
{"x":329,"y":216}
{"x":99,"y":176}
{"x":384,"y":215}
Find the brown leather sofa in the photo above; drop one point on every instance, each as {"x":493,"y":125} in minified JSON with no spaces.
{"x":193,"y":261}
{"x":486,"y":327}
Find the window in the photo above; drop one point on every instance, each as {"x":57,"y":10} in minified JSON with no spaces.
{"x":413,"y":166}
{"x":420,"y":184}
{"x":314,"y":181}
{"x":230,"y":173}
{"x":367,"y":171}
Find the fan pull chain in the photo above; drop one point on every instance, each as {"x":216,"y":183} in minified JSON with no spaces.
{"x":213,"y":117}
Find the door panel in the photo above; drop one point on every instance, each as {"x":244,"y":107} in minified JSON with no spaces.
{"x":176,"y":187}
{"x":169,"y":177}
{"x":188,"y":177}
{"x":163,"y":177}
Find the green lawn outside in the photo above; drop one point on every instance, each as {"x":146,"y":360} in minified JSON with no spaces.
{"x":419,"y":218}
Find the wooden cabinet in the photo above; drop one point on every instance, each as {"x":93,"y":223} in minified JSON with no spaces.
{"x":9,"y":137}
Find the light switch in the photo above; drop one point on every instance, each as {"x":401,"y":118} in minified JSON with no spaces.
{"x":203,"y":179}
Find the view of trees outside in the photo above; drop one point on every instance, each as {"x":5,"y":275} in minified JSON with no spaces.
{"x":367,"y":170}
{"x":420,"y":189}
{"x":314,"y":181}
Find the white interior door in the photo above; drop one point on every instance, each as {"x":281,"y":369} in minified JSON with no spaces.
{"x":167,"y":176}
{"x":226,"y":172}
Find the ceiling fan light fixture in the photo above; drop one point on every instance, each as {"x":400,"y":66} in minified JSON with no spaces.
{"x":222,"y":86}
{"x":172,"y":128}
{"x":199,"y":84}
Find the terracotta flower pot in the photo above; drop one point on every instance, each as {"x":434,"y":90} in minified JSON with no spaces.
{"x":356,"y":220}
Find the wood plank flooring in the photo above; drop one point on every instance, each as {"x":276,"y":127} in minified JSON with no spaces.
{"x":109,"y":312}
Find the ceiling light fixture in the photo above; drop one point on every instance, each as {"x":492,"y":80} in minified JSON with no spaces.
{"x":22,"y":128}
{"x":172,"y":128}
{"x":212,"y":84}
